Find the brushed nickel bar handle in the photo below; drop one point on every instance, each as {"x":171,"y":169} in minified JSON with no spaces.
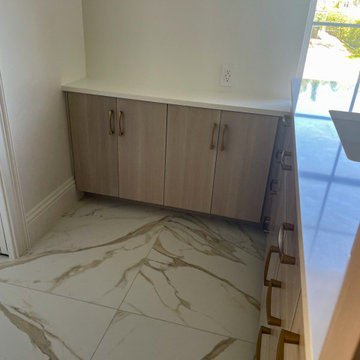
{"x":272,"y":250}
{"x":284,"y":258}
{"x":212,"y":145}
{"x":222,"y":147}
{"x":111,"y":122}
{"x":121,"y":124}
{"x":272,"y":183}
{"x":282,"y":160}
{"x":272,"y":320}
{"x":286,"y":337}
{"x":263,"y":330}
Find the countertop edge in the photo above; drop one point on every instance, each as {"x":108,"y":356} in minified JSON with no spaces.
{"x":215,"y":105}
{"x":303,"y":278}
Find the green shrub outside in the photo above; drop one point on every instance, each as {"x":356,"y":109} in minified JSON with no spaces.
{"x":349,"y":36}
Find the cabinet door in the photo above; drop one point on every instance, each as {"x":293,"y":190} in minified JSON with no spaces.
{"x":94,"y":140}
{"x":141,"y":148}
{"x":190,"y":157}
{"x":242,"y":167}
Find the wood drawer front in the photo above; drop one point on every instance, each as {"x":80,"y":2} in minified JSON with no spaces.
{"x":190,"y":160}
{"x":242,"y":165}
{"x":291,"y":351}
{"x":269,"y":341}
{"x":94,"y":142}
{"x":141,"y":150}
{"x":296,"y":352}
{"x":289,"y":274}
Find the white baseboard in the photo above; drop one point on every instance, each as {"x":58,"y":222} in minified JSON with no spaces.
{"x":45,"y":214}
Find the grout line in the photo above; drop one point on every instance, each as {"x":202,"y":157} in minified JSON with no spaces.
{"x":102,"y":338}
{"x":132,"y":283}
{"x":186,"y":326}
{"x":58,"y":295}
{"x":126,"y":311}
{"x":117,"y":310}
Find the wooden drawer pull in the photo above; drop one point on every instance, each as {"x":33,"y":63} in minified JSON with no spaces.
{"x":212,"y":144}
{"x":284,"y":166}
{"x":121,"y":124}
{"x":279,"y":153}
{"x":111,"y":122}
{"x":222,"y":147}
{"x":263,"y":330}
{"x":285,"y":259}
{"x":266,"y":224}
{"x":272,"y":250}
{"x":286,"y":337}
{"x":272,"y":183}
{"x":272,"y":320}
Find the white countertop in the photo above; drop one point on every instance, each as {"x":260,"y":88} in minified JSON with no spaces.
{"x":329,"y":200}
{"x":210,"y":100}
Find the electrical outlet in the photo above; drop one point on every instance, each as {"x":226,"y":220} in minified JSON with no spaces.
{"x":226,"y":75}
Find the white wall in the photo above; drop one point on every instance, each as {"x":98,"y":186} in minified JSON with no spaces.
{"x":182,"y":43}
{"x":41,"y":46}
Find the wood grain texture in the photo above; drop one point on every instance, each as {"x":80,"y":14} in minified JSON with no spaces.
{"x":94,"y":150}
{"x":141,"y":150}
{"x":242,"y":168}
{"x":289,"y":275}
{"x":190,"y":162}
{"x":292,"y":351}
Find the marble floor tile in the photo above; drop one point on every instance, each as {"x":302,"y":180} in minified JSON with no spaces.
{"x":92,"y":254}
{"x":135,"y":337}
{"x":188,"y":287}
{"x":204,"y":274}
{"x":36,"y":326}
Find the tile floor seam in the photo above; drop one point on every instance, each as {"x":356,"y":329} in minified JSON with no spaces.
{"x":102,"y":338}
{"x":59,"y":295}
{"x":187,"y":326}
{"x":142,"y":265}
{"x":117,"y":310}
{"x":81,"y":300}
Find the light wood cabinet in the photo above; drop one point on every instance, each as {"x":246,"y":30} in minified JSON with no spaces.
{"x":296,"y":351}
{"x":289,"y":274}
{"x":192,"y":139}
{"x":242,"y":166}
{"x":196,"y":159}
{"x":284,"y":268}
{"x":141,"y":150}
{"x":94,"y":141}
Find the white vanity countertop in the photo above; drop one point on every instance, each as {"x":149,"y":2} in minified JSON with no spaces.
{"x":329,"y":199}
{"x":210,"y":100}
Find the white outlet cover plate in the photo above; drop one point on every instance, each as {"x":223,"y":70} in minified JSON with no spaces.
{"x":226,"y":75}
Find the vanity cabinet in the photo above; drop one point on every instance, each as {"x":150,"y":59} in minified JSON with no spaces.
{"x":94,"y":141}
{"x":209,"y":161}
{"x":192,"y":142}
{"x":118,"y":146}
{"x":239,"y":144}
{"x":243,"y":160}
